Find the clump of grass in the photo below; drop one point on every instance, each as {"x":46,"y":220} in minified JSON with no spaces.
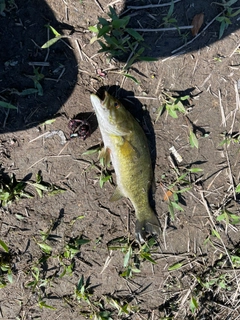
{"x":12,"y":189}
{"x":230,"y":138}
{"x":228,"y":14}
{"x":175,"y":106}
{"x":134,"y":254}
{"x":118,"y":40}
{"x":172,"y":105}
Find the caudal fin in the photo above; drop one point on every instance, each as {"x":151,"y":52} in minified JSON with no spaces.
{"x":150,"y":226}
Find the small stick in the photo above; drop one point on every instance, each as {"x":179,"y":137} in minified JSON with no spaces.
{"x":40,"y":64}
{"x":221,"y":107}
{"x":108,"y":260}
{"x":164,"y":232}
{"x":163,"y":29}
{"x":60,"y":76}
{"x":143,"y":97}
{"x":99,"y":5}
{"x":79,"y":49}
{"x":230,"y":175}
{"x":41,"y":135}
{"x":152,"y":5}
{"x":63,"y":155}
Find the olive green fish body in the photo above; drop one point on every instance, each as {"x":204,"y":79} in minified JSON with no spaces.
{"x":124,"y":138}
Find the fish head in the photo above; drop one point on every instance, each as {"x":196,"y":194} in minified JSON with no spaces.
{"x":112,"y":116}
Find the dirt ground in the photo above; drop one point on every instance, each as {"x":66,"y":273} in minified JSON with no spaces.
{"x":196,"y":269}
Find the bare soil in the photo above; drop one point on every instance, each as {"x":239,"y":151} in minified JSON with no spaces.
{"x":208,"y":71}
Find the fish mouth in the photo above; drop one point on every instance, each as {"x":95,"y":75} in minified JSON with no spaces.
{"x":96,"y":102}
{"x":100,"y":102}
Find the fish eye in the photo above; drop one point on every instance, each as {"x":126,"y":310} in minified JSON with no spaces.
{"x":116,"y":105}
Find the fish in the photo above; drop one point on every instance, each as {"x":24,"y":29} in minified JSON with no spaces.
{"x":126,"y":145}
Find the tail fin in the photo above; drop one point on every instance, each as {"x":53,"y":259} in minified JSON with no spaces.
{"x":149,"y":226}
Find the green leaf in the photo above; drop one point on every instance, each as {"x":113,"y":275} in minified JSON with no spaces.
{"x":177,"y":206}
{"x":179,"y":106}
{"x":120,"y":23}
{"x":41,"y":186}
{"x":184,"y":98}
{"x":193,"y":304}
{"x":134,"y":34}
{"x":19,"y":216}
{"x":54,"y":31}
{"x":171,"y":111}
{"x":127,"y":75}
{"x":195,"y":170}
{"x":42,"y":304}
{"x":171,"y":210}
{"x":237,"y":190}
{"x":147,"y":256}
{"x":9,"y":276}
{"x":27,"y":92}
{"x":103,"y":31}
{"x":216,"y":234}
{"x":222,"y":28}
{"x":175,"y":266}
{"x":80,"y":283}
{"x":4,"y":246}
{"x":235,"y":13}
{"x":103,"y":21}
{"x":7,"y":105}
{"x":235,"y":219}
{"x":127,"y":257}
{"x":2,"y":284}
{"x":50,"y":121}
{"x":46,"y":248}
{"x":91,"y":151}
{"x":222,"y":217}
{"x":193,"y":139}
{"x":56,"y":191}
{"x":103,"y":179}
{"x":80,"y":242}
{"x":93,"y":29}
{"x":50,"y":42}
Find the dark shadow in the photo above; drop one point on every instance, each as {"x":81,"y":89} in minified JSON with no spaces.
{"x":58,"y":220}
{"x":166,"y":43}
{"x":23,"y":31}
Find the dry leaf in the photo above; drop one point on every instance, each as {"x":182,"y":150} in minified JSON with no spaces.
{"x":197,"y":23}
{"x":167,"y":195}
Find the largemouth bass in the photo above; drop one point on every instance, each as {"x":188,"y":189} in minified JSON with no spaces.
{"x":127,"y":145}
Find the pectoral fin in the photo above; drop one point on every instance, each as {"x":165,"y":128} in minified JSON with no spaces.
{"x":117,"y":195}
